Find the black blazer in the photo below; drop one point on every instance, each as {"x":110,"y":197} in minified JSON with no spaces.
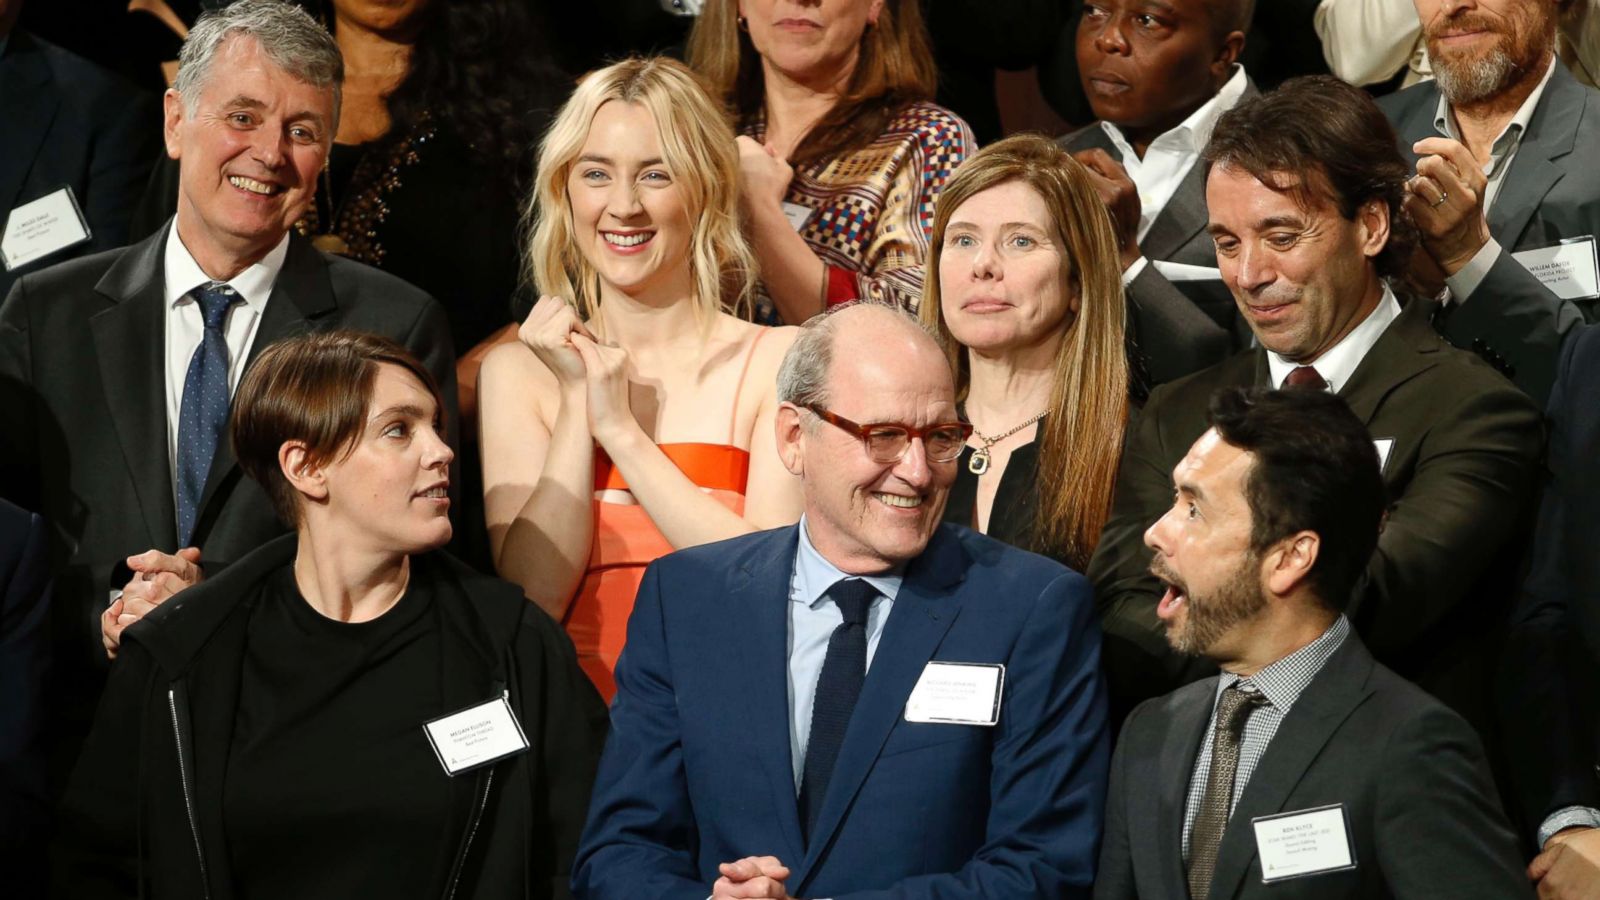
{"x":82,"y":390}
{"x":1460,"y":476}
{"x":1421,"y":809}
{"x":24,"y":652}
{"x":70,"y":123}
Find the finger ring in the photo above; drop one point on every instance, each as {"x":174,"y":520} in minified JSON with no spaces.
{"x":1443,"y":196}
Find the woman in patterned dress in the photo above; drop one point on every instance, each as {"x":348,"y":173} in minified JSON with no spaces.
{"x":842,"y":153}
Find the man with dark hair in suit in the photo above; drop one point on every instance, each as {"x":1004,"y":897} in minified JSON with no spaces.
{"x":868,"y":704}
{"x":1304,"y":191}
{"x":1502,"y":141}
{"x":116,"y":370}
{"x":1157,"y":77}
{"x":1306,"y":769}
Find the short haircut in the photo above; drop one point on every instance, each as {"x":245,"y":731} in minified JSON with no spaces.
{"x":1316,"y":469}
{"x":1317,"y":134}
{"x":313,"y":388}
{"x":1228,"y":16}
{"x":286,"y":34}
{"x":803,"y":375}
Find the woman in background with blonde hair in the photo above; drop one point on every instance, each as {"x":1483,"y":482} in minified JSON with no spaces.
{"x":1024,"y":286}
{"x":636,"y":415}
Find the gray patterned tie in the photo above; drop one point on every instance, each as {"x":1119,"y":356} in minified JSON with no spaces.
{"x":1233,"y":710}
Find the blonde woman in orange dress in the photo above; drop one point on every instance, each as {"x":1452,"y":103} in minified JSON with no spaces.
{"x":635,"y":416}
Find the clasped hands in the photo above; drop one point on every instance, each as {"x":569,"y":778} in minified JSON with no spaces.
{"x":156,"y":577}
{"x":1569,"y":868}
{"x":753,"y":876}
{"x":580,"y":361}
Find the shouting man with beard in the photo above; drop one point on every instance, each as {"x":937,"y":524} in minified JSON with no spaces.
{"x":1505,"y":195}
{"x":1306,"y":769}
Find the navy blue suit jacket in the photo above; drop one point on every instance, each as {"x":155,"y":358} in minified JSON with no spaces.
{"x":697,"y":769}
{"x":24,"y":651}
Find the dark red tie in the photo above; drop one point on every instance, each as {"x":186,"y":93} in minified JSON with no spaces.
{"x":1305,"y":377}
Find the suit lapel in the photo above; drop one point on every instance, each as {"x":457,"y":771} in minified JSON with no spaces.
{"x":27,"y":107}
{"x":1181,"y":219}
{"x":1336,"y":691}
{"x":1407,"y":348}
{"x":759,"y":589}
{"x":1552,"y":133}
{"x":1178,"y":755}
{"x":922,"y":613}
{"x":130,"y":345}
{"x":301,"y":294}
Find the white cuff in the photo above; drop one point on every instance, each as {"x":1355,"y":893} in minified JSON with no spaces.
{"x":1132,"y":272}
{"x":1568,"y":817}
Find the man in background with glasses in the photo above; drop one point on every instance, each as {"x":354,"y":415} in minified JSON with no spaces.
{"x":869,"y":700}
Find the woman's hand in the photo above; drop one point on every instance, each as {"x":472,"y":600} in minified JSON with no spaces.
{"x":549,"y":332}
{"x":606,"y":376}
{"x":764,"y":176}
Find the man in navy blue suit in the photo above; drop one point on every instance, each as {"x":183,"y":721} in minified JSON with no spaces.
{"x":866,"y":705}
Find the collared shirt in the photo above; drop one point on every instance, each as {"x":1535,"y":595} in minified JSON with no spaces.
{"x":186,"y":325}
{"x":1339,"y":362}
{"x":812,"y":618}
{"x":1170,"y":156}
{"x":1282,"y":682}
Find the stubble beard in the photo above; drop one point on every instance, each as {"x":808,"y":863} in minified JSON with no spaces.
{"x":1468,"y":79}
{"x":1206,"y":620}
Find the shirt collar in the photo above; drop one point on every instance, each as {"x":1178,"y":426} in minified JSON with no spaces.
{"x":1285,"y":680}
{"x":1193,"y":133}
{"x":1511,"y":135}
{"x":253,"y":285}
{"x":1340,"y":361}
{"x":813,"y":574}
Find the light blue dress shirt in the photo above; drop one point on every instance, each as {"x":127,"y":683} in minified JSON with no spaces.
{"x":813,"y":616}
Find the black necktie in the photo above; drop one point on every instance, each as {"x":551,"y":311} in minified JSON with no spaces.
{"x":838,"y":687}
{"x":1305,"y":377}
{"x":1233,"y":710}
{"x":204,"y":413}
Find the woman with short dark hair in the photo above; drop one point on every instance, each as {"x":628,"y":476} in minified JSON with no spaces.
{"x":345,"y":711}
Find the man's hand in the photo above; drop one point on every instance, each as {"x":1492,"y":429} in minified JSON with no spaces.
{"x":753,"y":876}
{"x":1445,"y":199}
{"x":1569,"y":868}
{"x":156,"y":577}
{"x":1121,"y":197}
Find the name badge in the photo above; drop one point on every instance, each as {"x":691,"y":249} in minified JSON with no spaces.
{"x":957,"y":694}
{"x":1305,"y":842}
{"x":1383,"y":445}
{"x":797,"y":215}
{"x":476,"y":736}
{"x":1570,"y":269}
{"x":41,"y":227}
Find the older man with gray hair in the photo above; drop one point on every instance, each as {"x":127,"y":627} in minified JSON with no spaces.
{"x":116,"y":370}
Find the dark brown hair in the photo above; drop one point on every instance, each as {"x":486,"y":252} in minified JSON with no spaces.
{"x":1317,"y":134}
{"x":895,"y":67}
{"x":313,"y":388}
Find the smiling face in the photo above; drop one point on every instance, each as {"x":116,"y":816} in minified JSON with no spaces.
{"x":629,"y":214}
{"x":1147,"y":64}
{"x":1479,"y":48}
{"x":809,"y":40}
{"x":1203,"y":554}
{"x":248,"y":154}
{"x":391,"y":492}
{"x":1302,"y":275}
{"x":866,"y":516}
{"x":1003,"y":277}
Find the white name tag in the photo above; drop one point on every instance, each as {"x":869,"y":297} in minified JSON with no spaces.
{"x":476,"y":736}
{"x":797,"y":215}
{"x":957,"y":694}
{"x":1384,"y":445}
{"x":41,"y":227}
{"x":1306,"y":842}
{"x":1569,"y":269}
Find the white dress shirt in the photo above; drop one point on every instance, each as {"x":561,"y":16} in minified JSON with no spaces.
{"x":1340,"y":361}
{"x":186,"y":325}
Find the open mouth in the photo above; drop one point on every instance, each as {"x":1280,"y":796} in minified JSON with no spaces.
{"x":437,"y":492}
{"x":627,"y":240}
{"x":1170,"y":602}
{"x":897,"y":501}
{"x":254,"y":186}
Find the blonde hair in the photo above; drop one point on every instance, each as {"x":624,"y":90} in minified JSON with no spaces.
{"x":698,"y":148}
{"x":895,"y":67}
{"x":1080,"y":443}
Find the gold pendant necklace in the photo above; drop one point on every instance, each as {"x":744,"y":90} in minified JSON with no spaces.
{"x":979,"y":463}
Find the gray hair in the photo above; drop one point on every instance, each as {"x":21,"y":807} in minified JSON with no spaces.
{"x":287,"y":34}
{"x":803,"y":376}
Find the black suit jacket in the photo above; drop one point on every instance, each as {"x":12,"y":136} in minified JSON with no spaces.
{"x":1420,"y":806}
{"x":69,"y":123}
{"x":24,"y":652}
{"x":1460,"y":476}
{"x":1551,"y":192}
{"x":82,"y":350}
{"x":1550,"y":682}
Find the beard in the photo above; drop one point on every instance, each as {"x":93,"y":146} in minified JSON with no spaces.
{"x":1205,"y":619}
{"x":1471,"y":77}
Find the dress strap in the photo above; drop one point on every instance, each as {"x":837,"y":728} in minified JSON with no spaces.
{"x":733,"y":416}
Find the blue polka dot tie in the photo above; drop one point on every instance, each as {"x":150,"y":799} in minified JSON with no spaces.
{"x":204,"y":413}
